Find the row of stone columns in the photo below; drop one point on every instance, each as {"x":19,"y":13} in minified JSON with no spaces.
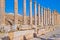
{"x":47,"y":18}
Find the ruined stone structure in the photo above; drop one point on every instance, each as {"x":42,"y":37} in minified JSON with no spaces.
{"x":45,"y":16}
{"x":29,"y":26}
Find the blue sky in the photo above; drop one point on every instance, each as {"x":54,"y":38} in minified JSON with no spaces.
{"x":52,"y":4}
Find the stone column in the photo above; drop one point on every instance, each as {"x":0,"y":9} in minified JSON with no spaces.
{"x":35,"y":11}
{"x":2,"y":13}
{"x":53,"y":18}
{"x":24,"y":12}
{"x":0,"y":6}
{"x":39,"y":21}
{"x":44,"y":15}
{"x":16,"y":11}
{"x":48,"y":16}
{"x":30,"y":12}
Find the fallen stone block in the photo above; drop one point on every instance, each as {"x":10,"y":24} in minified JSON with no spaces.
{"x":11,"y":35}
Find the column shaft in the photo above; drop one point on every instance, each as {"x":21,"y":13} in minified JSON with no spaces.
{"x":2,"y":13}
{"x":48,"y":16}
{"x":16,"y":12}
{"x":24,"y":11}
{"x":30,"y":12}
{"x":53,"y":18}
{"x":35,"y":10}
{"x":39,"y":21}
{"x":44,"y":17}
